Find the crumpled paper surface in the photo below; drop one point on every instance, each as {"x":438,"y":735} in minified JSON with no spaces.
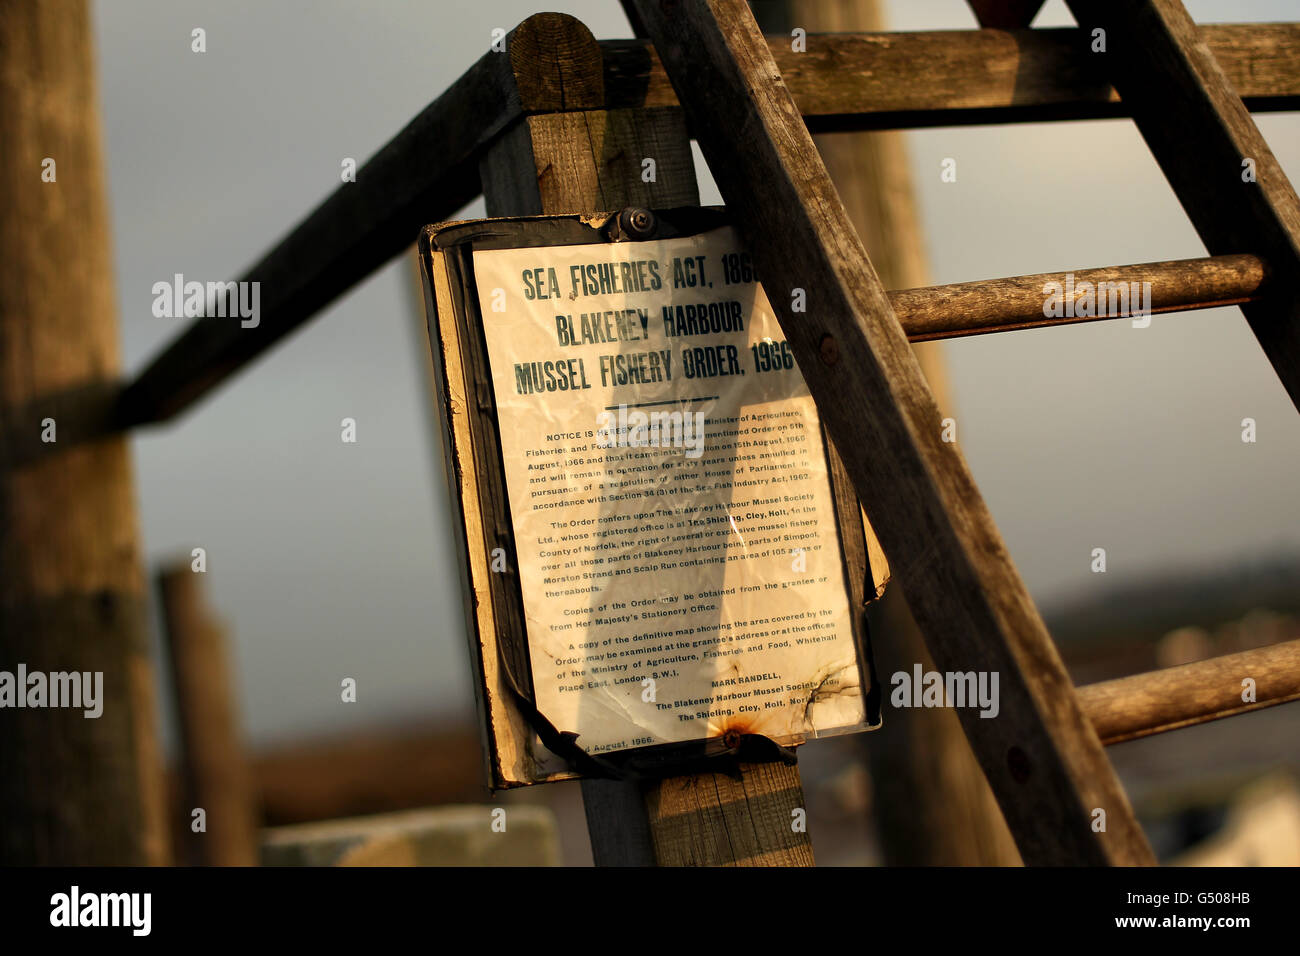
{"x":680,"y":582}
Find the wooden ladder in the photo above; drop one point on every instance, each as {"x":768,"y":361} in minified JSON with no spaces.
{"x":1043,"y":755}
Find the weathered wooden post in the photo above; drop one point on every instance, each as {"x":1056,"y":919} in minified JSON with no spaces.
{"x":572,"y":155}
{"x":74,"y":789}
{"x":214,"y":767}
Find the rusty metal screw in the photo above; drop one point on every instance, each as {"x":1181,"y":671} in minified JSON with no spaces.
{"x":637,"y":223}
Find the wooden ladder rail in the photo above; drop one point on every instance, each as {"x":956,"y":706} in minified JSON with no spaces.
{"x":1182,"y":71}
{"x":1042,"y":758}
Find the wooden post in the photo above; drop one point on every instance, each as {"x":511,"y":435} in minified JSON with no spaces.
{"x":931,"y":803}
{"x":73,"y":789}
{"x":213,"y":764}
{"x":583,"y":158}
{"x":1040,"y":755}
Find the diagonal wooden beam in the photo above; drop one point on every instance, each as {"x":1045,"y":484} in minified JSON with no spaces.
{"x":1043,"y":760}
{"x":1210,"y":150}
{"x":1005,"y":14}
{"x":425,"y":173}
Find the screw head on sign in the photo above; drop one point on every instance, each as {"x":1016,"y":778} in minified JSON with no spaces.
{"x":637,"y":223}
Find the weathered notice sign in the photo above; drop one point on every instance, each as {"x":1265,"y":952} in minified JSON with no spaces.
{"x":666,"y":479}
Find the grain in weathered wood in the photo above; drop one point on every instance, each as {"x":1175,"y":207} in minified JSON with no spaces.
{"x":1042,"y":758}
{"x":711,"y":819}
{"x":1204,"y":139}
{"x":73,"y":790}
{"x":1196,"y":693}
{"x":596,"y":153}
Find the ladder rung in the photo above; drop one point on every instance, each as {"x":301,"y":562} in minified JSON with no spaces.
{"x":1163,"y":700}
{"x":1004,"y":305}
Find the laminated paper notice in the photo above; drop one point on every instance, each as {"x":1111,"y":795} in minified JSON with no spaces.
{"x":679,"y":559}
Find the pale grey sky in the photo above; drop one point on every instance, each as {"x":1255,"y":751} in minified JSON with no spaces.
{"x":333,"y":560}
